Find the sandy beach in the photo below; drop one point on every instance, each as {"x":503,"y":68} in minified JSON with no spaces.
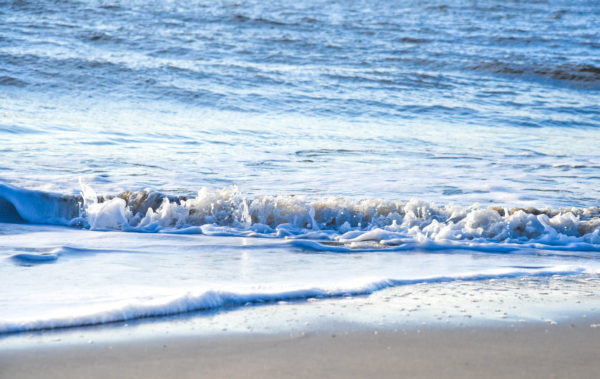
{"x":497,"y":328}
{"x":299,"y":189}
{"x":539,"y":351}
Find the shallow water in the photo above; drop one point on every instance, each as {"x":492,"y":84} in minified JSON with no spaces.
{"x":440,"y":100}
{"x":115,"y":276}
{"x":357,"y":146}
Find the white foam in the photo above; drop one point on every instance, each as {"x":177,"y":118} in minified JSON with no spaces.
{"x":134,"y":308}
{"x":228,"y":212}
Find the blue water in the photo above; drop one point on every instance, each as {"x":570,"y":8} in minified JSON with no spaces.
{"x":325,"y":127}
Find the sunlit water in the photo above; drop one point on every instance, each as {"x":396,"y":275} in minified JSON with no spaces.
{"x":270,"y":149}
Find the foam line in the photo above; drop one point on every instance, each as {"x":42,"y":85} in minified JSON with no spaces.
{"x":215,"y":299}
{"x":386,"y":224}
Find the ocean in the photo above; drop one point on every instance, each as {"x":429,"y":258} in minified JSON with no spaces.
{"x":162,"y":158}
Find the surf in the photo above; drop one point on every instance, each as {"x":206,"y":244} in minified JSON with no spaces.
{"x":349,"y":223}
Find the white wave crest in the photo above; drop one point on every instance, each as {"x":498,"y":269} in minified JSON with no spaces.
{"x":228,"y":212}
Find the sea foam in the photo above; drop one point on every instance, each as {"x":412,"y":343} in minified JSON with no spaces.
{"x":349,"y":223}
{"x":136,"y":308}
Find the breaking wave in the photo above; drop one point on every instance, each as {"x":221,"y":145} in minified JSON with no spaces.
{"x":339,"y":222}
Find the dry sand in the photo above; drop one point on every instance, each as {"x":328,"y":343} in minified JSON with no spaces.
{"x":534,"y":351}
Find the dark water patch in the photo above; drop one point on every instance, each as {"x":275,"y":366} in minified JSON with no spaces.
{"x":579,"y":110}
{"x":580,"y":75}
{"x":187,"y":95}
{"x":565,"y":167}
{"x":530,"y":153}
{"x":326,"y":152}
{"x":414,"y":40}
{"x":457,"y":157}
{"x":25,"y":5}
{"x":9,"y":81}
{"x":452,"y":191}
{"x":114,"y":6}
{"x":548,"y":190}
{"x":443,"y":8}
{"x":376,"y":81}
{"x":8,"y":212}
{"x":29,"y":259}
{"x":55,"y":74}
{"x":267,"y":163}
{"x":19,"y":129}
{"x":261,"y":20}
{"x":521,"y":40}
{"x":575,"y":124}
{"x":458,"y":111}
{"x":557,"y":15}
{"x":520,"y":122}
{"x":100,"y":37}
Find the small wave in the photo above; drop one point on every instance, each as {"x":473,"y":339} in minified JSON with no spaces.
{"x":350,"y":222}
{"x":28,"y":259}
{"x":19,"y":129}
{"x":414,"y":40}
{"x":12,"y":82}
{"x":100,"y":38}
{"x":260,"y":20}
{"x":37,"y":207}
{"x":214,"y":299}
{"x":582,"y":75}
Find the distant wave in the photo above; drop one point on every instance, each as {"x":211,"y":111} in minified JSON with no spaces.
{"x":11,"y":82}
{"x":43,"y":256}
{"x":347,"y":223}
{"x":581,"y":75}
{"x":214,"y":299}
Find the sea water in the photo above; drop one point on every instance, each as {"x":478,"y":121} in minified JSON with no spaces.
{"x":162,"y":157}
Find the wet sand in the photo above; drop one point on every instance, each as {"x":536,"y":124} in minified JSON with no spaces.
{"x":533,"y":351}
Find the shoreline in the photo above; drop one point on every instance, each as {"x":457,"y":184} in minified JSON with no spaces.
{"x":488,"y":303}
{"x":558,"y":350}
{"x":527,"y":327}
